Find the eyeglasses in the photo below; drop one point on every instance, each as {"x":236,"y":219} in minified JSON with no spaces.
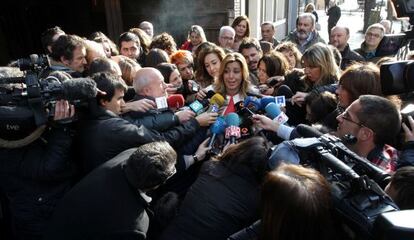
{"x":376,"y":35}
{"x":345,"y":116}
{"x":227,"y":38}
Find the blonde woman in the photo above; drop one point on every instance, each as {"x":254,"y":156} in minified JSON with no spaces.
{"x":196,"y":36}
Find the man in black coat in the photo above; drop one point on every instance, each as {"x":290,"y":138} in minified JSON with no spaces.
{"x":104,"y":134}
{"x":334,"y":13}
{"x":35,"y":168}
{"x":339,"y":38}
{"x":110,"y":203}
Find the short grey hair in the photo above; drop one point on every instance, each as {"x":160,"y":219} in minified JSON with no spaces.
{"x":227,"y":28}
{"x":377,"y":26}
{"x":307,"y":15}
{"x":144,"y":77}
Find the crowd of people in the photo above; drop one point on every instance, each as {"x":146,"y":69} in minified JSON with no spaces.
{"x":132,"y":165}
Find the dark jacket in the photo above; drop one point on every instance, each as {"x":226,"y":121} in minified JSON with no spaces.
{"x":34,"y":178}
{"x":103,"y":205}
{"x":315,"y":39}
{"x":152,"y":119}
{"x":377,"y":54}
{"x":334,"y":14}
{"x":104,"y":135}
{"x":219,"y":203}
{"x":349,"y":56}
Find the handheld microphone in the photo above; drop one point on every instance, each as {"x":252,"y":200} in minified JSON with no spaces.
{"x":210,"y":94}
{"x":216,"y":101}
{"x":274,"y":112}
{"x":232,"y":131}
{"x":198,"y":106}
{"x":252,"y":103}
{"x":175,"y":101}
{"x":217,"y":128}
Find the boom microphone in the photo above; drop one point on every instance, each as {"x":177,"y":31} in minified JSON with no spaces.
{"x":233,"y":130}
{"x":77,"y":89}
{"x":307,"y":131}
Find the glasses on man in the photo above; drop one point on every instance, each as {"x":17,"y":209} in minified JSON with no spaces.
{"x":345,"y":116}
{"x":376,"y":35}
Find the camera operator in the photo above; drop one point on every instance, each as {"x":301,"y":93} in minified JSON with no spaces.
{"x":36,"y":171}
{"x":373,"y":121}
{"x":68,"y":55}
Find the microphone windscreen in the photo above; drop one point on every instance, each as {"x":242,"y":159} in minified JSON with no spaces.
{"x":218,"y":126}
{"x":217,"y":99}
{"x":272,"y":110}
{"x":232,"y":119}
{"x":175,"y":101}
{"x":284,"y":90}
{"x":79,"y":89}
{"x":210,"y":94}
{"x":266,"y":100}
{"x":307,"y":131}
{"x":252,"y":103}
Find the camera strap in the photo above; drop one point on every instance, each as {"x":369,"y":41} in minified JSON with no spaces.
{"x":25,"y":141}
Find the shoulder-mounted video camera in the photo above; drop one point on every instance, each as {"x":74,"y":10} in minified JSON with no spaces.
{"x":27,"y":102}
{"x":355,"y":182}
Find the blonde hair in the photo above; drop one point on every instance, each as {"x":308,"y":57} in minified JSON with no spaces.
{"x":128,"y":66}
{"x":310,"y":7}
{"x":199,"y":31}
{"x":219,"y":85}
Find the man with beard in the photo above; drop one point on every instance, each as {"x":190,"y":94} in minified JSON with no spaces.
{"x":252,"y":52}
{"x":339,"y":38}
{"x":305,"y":34}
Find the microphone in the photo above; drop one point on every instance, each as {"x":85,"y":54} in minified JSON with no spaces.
{"x":252,"y":103}
{"x":79,"y":89}
{"x":232,"y":131}
{"x":175,"y":101}
{"x":285,"y":90}
{"x":307,"y":131}
{"x":210,"y":94}
{"x":274,"y":112}
{"x":197,"y":106}
{"x":216,"y":101}
{"x":217,"y":128}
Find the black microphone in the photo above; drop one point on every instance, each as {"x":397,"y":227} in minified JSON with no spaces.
{"x":284,"y":90}
{"x":210,"y":94}
{"x":79,"y":89}
{"x":307,"y":131}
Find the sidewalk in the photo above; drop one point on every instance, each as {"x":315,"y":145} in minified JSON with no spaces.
{"x":353,"y":18}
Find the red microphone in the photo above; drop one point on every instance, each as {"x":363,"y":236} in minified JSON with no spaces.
{"x":175,"y":101}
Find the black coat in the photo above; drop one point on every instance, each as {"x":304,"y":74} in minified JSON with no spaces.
{"x":334,"y":14}
{"x":152,"y":119}
{"x":218,"y":204}
{"x":103,"y":205}
{"x":34,"y":178}
{"x":105,"y":135}
{"x":349,"y":56}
